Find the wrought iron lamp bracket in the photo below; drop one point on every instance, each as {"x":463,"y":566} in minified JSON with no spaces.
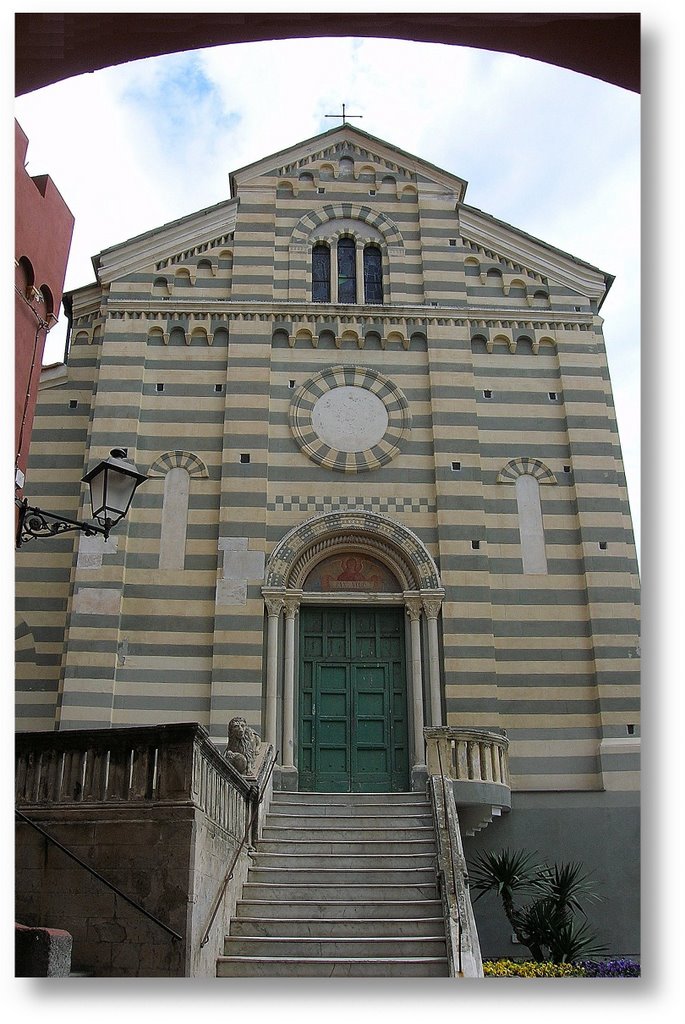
{"x":36,"y":522}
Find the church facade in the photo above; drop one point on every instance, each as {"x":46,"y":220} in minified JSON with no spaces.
{"x":385,"y":492}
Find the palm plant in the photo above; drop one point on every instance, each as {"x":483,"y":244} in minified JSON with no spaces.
{"x":545,"y":924}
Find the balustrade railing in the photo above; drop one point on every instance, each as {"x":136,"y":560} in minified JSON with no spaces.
{"x":122,"y":766}
{"x":467,"y":755}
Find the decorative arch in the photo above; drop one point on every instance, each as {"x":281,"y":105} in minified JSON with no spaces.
{"x":352,"y":529}
{"x":193,"y":464}
{"x":526,"y":466}
{"x":361,"y":532}
{"x":346,"y":211}
{"x":327,"y":451}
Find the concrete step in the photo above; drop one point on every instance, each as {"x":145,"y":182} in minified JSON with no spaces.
{"x":337,"y":892}
{"x":252,"y":908}
{"x":368,"y":948}
{"x":341,"y":885}
{"x":342,"y":875}
{"x":343,"y":848}
{"x":289,"y":967}
{"x":343,"y":927}
{"x":350,"y":833}
{"x":276,"y":819}
{"x":376,"y":861}
{"x":354,"y":799}
{"x":326,"y":809}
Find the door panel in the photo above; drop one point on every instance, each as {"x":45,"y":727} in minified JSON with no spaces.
{"x":353,"y":703}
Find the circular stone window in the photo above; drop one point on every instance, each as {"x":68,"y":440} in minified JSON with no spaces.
{"x":350,"y":418}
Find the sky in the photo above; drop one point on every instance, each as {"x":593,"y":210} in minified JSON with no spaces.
{"x":550,"y":151}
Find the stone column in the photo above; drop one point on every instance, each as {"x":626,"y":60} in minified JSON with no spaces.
{"x":334,"y":270}
{"x":413,"y":607}
{"x":274,"y":606}
{"x":291,"y":605}
{"x":431,"y":606}
{"x":359,"y":267}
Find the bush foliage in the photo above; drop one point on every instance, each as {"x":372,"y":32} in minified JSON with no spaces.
{"x":548,"y":923}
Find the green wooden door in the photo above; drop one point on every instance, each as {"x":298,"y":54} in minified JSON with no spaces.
{"x":352,"y":734}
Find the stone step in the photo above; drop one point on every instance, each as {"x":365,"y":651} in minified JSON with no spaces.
{"x":348,"y":833}
{"x":276,"y":819}
{"x":349,"y":893}
{"x":340,"y":885}
{"x":289,"y":967}
{"x":343,"y":927}
{"x":376,"y":861}
{"x":342,"y":875}
{"x":351,"y":848}
{"x":330,"y":948}
{"x":332,"y":809}
{"x":353,"y":799}
{"x":253,"y":908}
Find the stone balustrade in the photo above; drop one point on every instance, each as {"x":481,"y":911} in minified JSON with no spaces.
{"x":476,"y":762}
{"x":160,"y":763}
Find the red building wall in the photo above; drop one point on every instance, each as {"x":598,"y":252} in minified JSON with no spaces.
{"x":43,"y":230}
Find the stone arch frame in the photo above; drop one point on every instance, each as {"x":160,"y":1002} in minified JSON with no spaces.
{"x":177,"y":468}
{"x":346,"y":211}
{"x":392,"y":246}
{"x":178,"y":460}
{"x":299,"y":550}
{"x":287,"y":568}
{"x":522,"y":472}
{"x":309,"y":442}
{"x":533,"y":467}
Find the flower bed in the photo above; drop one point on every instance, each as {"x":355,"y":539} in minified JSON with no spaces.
{"x":610,"y":968}
{"x":530,"y":969}
{"x":581,"y":969}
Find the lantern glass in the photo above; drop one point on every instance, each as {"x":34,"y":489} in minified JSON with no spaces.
{"x":112,"y":486}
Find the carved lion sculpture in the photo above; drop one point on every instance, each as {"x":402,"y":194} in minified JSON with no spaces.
{"x":243,"y":744}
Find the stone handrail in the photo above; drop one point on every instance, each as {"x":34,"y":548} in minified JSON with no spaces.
{"x":468,"y":755}
{"x":169,"y":763}
{"x":463,"y":946}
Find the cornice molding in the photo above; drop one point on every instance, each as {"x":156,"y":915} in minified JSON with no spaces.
{"x":165,"y":242}
{"x":544,"y":259}
{"x":420,"y":315}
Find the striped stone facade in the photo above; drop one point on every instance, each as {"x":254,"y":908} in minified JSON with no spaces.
{"x":201,"y":351}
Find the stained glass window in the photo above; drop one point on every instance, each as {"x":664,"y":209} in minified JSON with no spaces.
{"x":321,"y":274}
{"x":347,"y":271}
{"x":373,"y":275}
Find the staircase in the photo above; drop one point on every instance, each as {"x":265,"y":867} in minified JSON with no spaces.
{"x":342,"y":885}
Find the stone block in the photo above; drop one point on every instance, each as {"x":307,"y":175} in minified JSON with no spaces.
{"x":42,"y":952}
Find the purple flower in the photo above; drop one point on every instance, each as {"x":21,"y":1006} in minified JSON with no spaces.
{"x":610,"y":968}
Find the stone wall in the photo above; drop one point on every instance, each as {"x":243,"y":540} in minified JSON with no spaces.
{"x":169,"y":856}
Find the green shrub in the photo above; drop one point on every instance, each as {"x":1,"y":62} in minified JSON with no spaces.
{"x":547,"y":924}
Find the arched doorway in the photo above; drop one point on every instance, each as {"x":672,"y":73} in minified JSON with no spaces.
{"x":344,"y":674}
{"x":352,"y":715}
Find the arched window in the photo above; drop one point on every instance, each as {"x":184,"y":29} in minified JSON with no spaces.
{"x":321,"y":273}
{"x":347,"y":270}
{"x":373,"y":275}
{"x":531,"y":528}
{"x":172,"y":548}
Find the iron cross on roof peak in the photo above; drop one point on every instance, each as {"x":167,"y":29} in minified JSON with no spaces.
{"x":344,"y":116}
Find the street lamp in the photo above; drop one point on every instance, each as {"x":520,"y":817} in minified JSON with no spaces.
{"x":112,"y":485}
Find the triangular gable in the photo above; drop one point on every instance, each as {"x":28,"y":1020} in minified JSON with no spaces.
{"x":341,"y":141}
